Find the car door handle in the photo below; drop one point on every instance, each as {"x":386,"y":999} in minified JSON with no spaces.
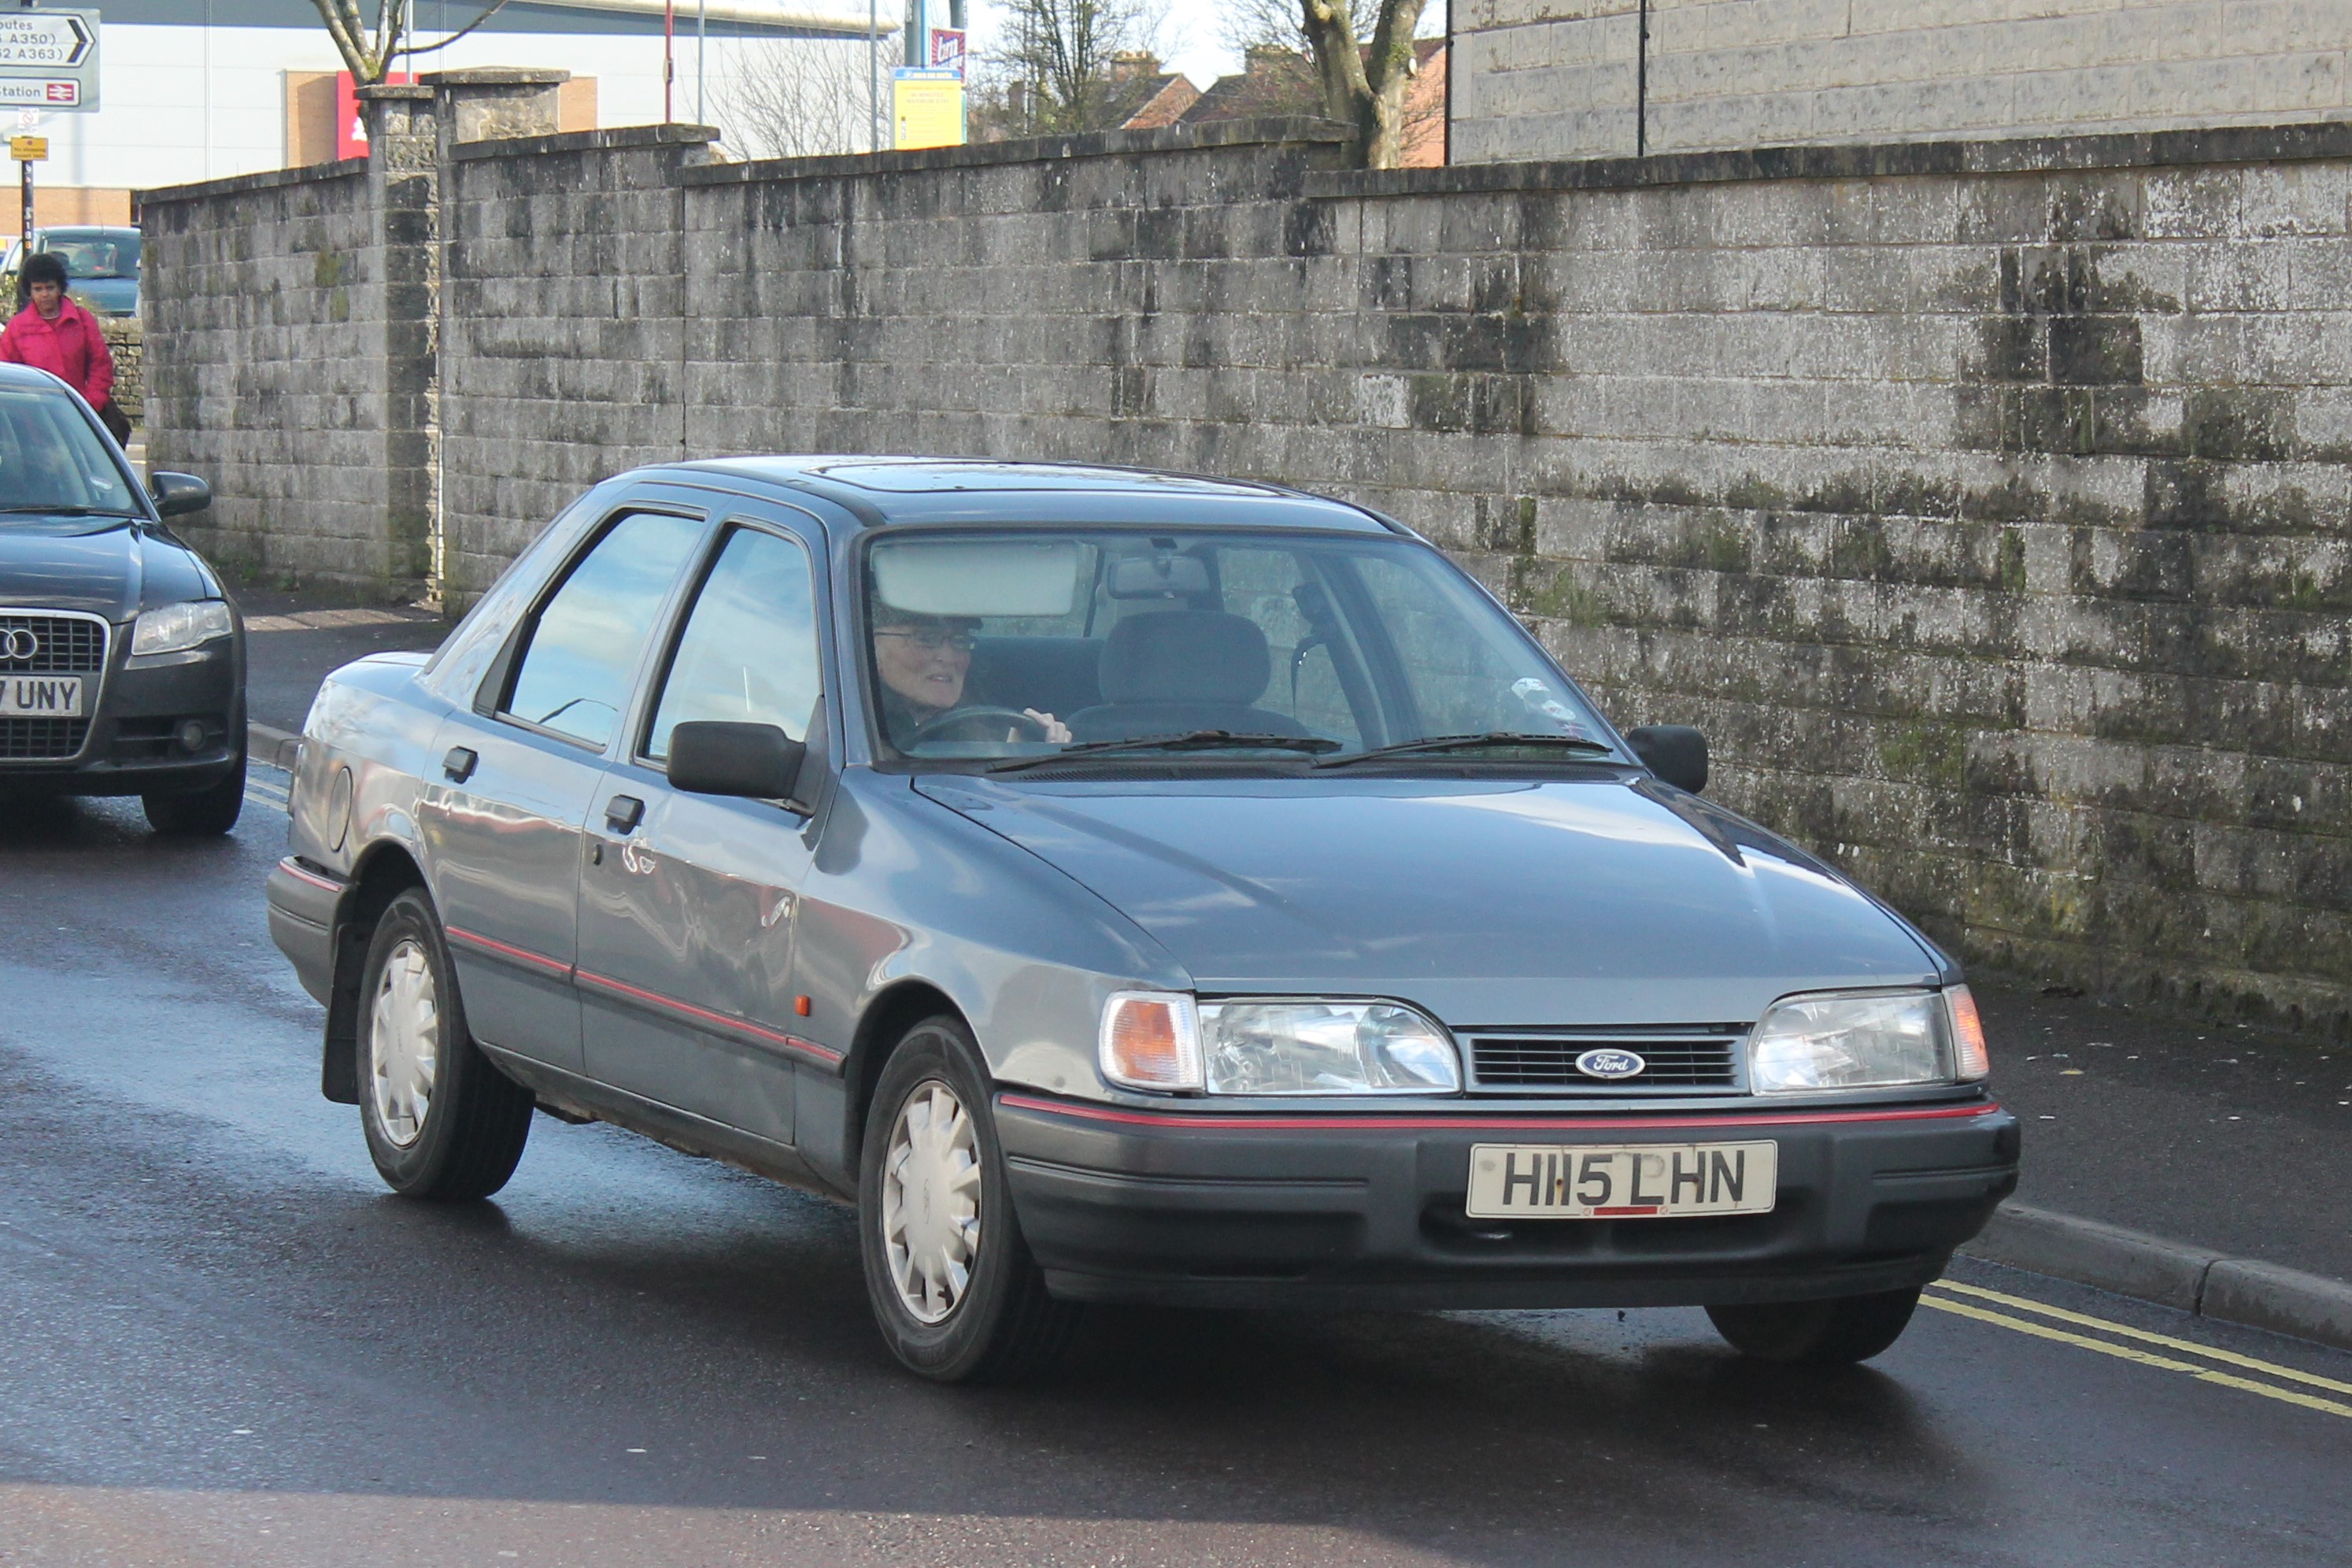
{"x":623,"y":812}
{"x":458,"y":763}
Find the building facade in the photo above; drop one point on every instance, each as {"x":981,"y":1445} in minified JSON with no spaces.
{"x":1576,"y":79}
{"x":199,"y":89}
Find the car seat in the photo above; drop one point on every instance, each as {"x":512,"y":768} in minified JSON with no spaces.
{"x":1171,"y":672}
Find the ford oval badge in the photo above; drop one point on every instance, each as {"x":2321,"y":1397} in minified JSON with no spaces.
{"x":1610,"y":1064}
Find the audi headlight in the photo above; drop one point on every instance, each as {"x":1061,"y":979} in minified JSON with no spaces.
{"x":1283,"y":1047}
{"x":1866,"y":1040}
{"x":175,"y":628}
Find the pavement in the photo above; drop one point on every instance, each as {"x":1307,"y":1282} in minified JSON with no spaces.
{"x":222,"y":1343}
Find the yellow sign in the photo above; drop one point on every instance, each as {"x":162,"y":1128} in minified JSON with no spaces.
{"x":928,"y":107}
{"x":28,"y":149}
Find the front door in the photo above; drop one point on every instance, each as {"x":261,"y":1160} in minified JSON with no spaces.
{"x":687,"y":901}
{"x":502,"y":810}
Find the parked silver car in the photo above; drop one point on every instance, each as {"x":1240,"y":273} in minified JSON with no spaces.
{"x":1122,"y":886}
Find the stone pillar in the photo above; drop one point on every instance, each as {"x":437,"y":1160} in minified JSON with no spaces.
{"x":404,"y":177}
{"x":495,"y":103}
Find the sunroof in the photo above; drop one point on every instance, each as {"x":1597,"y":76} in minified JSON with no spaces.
{"x":908,"y":478}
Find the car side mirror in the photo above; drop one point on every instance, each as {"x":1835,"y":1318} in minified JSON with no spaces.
{"x":176,"y":495}
{"x":757,"y":762}
{"x":1676,"y":753}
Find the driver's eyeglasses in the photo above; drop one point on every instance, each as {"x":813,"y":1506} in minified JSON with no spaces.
{"x":933,"y":641}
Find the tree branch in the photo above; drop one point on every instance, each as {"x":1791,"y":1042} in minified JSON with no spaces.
{"x":406,"y":50}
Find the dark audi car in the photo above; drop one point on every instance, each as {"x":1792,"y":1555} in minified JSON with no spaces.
{"x":121,"y":659}
{"x":1122,"y":886}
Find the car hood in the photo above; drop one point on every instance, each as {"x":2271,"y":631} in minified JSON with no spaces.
{"x":109,"y":566}
{"x":1602,"y":900}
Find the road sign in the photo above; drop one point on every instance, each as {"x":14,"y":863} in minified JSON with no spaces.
{"x":48,"y":59}
{"x":28,"y":149}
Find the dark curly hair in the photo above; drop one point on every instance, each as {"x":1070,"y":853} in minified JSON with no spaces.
{"x":41,"y":267}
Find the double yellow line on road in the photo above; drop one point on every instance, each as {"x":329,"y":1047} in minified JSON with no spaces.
{"x":1951,"y":1296}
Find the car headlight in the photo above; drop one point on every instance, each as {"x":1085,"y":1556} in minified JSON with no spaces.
{"x":1866,"y":1040}
{"x":175,"y":628}
{"x":1268,"y":1046}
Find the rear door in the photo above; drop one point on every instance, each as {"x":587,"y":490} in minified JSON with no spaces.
{"x":687,"y":902}
{"x":502,"y":819}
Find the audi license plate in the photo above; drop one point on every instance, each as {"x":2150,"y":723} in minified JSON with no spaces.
{"x":1546,"y":1180}
{"x":40,"y":696}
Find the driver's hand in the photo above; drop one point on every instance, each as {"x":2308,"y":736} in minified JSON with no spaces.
{"x":1055,"y":731}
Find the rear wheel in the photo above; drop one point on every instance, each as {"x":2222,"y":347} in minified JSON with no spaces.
{"x":1836,"y":1332}
{"x":201,"y":814}
{"x":441,"y":1121}
{"x":953,"y":1287}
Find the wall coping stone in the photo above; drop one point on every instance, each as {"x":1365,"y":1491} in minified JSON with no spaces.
{"x":395,"y":91}
{"x":611,"y":141}
{"x":1039,"y":150}
{"x":236,"y":184}
{"x":2299,"y":143}
{"x":495,"y":75}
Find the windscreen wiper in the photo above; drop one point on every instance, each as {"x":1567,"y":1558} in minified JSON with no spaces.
{"x":1468,"y":742}
{"x":1197,"y":741}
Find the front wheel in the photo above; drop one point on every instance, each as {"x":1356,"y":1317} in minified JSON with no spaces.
{"x":953,"y":1287}
{"x":441,"y":1121}
{"x":1839,"y":1331}
{"x":203,"y":814}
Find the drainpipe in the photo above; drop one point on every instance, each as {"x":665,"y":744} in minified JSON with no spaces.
{"x":1642,"y":86}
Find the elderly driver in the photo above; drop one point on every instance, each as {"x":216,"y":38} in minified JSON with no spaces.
{"x":922,"y":661}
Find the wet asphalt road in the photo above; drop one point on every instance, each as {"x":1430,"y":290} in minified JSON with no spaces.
{"x":221,"y":1342}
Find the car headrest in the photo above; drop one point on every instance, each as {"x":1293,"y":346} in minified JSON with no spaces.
{"x":1185,"y":655}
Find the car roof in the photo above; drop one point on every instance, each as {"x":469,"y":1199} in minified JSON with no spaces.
{"x":27,"y":376}
{"x":881,"y":490}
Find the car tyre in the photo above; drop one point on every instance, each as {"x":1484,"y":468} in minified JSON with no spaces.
{"x":199,"y":813}
{"x":953,"y":1287}
{"x":442,"y":1122}
{"x":1839,"y":1331}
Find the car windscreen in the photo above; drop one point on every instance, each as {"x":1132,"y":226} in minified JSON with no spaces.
{"x":95,"y":254}
{"x":1320,"y":647}
{"x":52,"y":460}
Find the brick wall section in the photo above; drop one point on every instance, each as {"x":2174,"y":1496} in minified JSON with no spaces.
{"x":263,"y":293}
{"x":1554,"y":78}
{"x":1988,"y":504}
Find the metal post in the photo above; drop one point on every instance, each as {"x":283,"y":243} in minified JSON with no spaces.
{"x":670,"y":57}
{"x":873,"y":76}
{"x":27,"y":166}
{"x":701,"y":47}
{"x":1641,"y":86}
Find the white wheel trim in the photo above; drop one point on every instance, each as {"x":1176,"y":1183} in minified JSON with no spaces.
{"x":404,"y":1043}
{"x":930,"y":1202}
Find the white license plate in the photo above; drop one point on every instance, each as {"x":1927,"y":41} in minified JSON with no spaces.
{"x":1641,"y":1181}
{"x":40,"y":696}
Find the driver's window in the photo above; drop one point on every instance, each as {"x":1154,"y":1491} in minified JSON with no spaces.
{"x":573,"y":676}
{"x":749,"y":653}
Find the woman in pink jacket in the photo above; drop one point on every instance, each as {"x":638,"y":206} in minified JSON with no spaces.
{"x":51,"y":333}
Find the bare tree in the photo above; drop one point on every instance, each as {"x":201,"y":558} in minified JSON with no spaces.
{"x":371,"y":50}
{"x":1364,"y":69}
{"x":1052,"y":60}
{"x":795,"y":99}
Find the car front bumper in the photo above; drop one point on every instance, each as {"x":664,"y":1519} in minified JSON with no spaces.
{"x":131,"y":744}
{"x":1237,"y":1210}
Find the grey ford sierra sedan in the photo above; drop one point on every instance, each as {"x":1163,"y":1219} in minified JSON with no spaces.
{"x":1121,"y":886}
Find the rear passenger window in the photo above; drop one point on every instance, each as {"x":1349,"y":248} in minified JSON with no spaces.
{"x":749,"y":653}
{"x":573,"y":675}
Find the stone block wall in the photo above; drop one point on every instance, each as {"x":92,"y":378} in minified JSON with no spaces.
{"x":1554,"y":78}
{"x":126,"y":342}
{"x":272,"y":383}
{"x":1988,"y":504}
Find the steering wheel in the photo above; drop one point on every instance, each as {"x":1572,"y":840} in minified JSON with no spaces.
{"x":968,"y":724}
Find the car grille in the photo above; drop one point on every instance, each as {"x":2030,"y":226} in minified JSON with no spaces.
{"x":68,"y":645}
{"x":63,"y":644}
{"x":1704,"y":1056}
{"x":41,"y":740}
